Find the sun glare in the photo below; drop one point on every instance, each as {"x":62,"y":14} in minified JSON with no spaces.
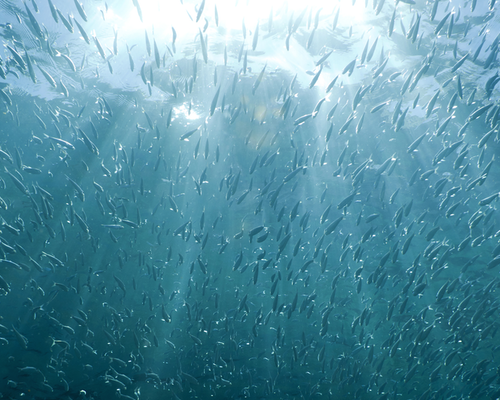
{"x":244,"y":15}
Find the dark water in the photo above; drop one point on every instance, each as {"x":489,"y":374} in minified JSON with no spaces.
{"x":193,"y":218}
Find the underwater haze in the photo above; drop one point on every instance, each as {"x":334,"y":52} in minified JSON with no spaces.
{"x":249,"y":199}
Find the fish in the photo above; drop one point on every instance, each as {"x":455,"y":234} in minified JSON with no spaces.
{"x":459,"y":63}
{"x":204,"y":50}
{"x":324,"y":58}
{"x":78,"y":189}
{"x":188,"y":134}
{"x":441,"y":23}
{"x":370,"y":53}
{"x":391,"y":23}
{"x":99,"y":48}
{"x":66,"y":21}
{"x":316,"y":77}
{"x":34,"y":22}
{"x":30,"y":67}
{"x":53,"y":11}
{"x":378,"y":107}
{"x":349,"y":68}
{"x":17,"y":57}
{"x":81,"y":11}
{"x":330,"y":228}
{"x":82,"y":30}
{"x":258,"y":80}
{"x":430,"y":105}
{"x":346,"y":124}
{"x":68,"y":60}
{"x":264,"y":244}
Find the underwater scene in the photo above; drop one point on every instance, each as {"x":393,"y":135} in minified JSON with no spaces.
{"x":249,"y":199}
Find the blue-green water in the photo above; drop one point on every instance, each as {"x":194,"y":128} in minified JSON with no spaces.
{"x":249,"y":200}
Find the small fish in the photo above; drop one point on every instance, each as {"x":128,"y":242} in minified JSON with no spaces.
{"x":324,"y":58}
{"x":81,"y":11}
{"x":30,"y":66}
{"x":17,"y":57}
{"x":204,"y":50}
{"x":188,"y":134}
{"x":82,"y":30}
{"x":77,"y":187}
{"x":349,"y":68}
{"x":441,"y":23}
{"x":316,"y":77}
{"x":100,"y":48}
{"x":66,"y":22}
{"x":53,"y":11}
{"x":157,"y":54}
{"x":459,"y":63}
{"x":258,"y":80}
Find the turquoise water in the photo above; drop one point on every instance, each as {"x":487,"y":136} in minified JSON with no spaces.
{"x":249,"y":200}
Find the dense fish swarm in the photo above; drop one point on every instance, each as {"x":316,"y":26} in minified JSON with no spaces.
{"x":232,"y":200}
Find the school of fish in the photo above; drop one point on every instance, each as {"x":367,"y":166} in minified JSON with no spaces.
{"x":249,"y":200}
